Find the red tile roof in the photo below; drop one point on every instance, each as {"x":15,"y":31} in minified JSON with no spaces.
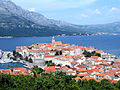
{"x":80,"y":70}
{"x":47,"y":56}
{"x":77,"y":78}
{"x":70,"y":72}
{"x":101,"y":74}
{"x":16,"y":71}
{"x":105,"y":63}
{"x":82,"y":74}
{"x":81,"y":66}
{"x":88,"y":78}
{"x":96,"y":70}
{"x":113,"y":81}
{"x":49,"y":69}
{"x":95,"y":57}
{"x":18,"y":50}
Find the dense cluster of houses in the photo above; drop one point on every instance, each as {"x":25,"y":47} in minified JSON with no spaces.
{"x":73,"y":61}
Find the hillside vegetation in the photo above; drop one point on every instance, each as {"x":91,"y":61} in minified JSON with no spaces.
{"x":58,"y":81}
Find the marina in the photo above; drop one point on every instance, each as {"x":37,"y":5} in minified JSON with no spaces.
{"x":6,"y":62}
{"x":5,"y":57}
{"x":8,"y":65}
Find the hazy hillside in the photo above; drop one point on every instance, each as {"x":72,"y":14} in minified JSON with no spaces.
{"x":15,"y":21}
{"x":11,"y":25}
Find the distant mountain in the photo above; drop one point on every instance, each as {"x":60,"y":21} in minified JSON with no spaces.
{"x":8,"y":7}
{"x":15,"y":21}
{"x":11,"y":25}
{"x":107,"y":28}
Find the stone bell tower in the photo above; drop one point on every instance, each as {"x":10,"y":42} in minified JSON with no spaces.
{"x":53,"y":41}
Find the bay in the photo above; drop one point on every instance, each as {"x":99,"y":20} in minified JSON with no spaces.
{"x":107,"y":43}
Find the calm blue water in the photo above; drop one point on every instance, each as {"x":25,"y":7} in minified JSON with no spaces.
{"x":107,"y":43}
{"x":7,"y":65}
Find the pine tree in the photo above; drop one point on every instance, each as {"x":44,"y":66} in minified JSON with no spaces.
{"x":30,"y":60}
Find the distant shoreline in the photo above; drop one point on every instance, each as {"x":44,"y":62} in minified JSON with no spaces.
{"x":63,"y":35}
{"x":6,"y":37}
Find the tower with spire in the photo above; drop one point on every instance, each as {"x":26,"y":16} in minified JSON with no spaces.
{"x":53,"y":41}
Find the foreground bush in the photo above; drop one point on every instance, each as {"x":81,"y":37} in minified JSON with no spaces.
{"x":58,"y":81}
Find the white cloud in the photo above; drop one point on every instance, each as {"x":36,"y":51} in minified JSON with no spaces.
{"x":98,"y":12}
{"x":84,"y":15}
{"x":114,"y":9}
{"x":31,"y":9}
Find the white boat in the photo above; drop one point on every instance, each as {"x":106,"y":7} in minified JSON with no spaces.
{"x":6,"y":61}
{"x":25,"y":66}
{"x":14,"y":61}
{"x":2,"y":62}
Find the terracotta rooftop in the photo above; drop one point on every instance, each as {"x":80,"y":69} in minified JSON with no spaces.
{"x":77,"y":78}
{"x":88,"y":78}
{"x":49,"y":69}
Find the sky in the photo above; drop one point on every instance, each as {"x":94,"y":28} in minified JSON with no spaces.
{"x":81,"y":12}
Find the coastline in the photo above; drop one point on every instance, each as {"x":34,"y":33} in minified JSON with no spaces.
{"x":6,"y":36}
{"x":63,"y":35}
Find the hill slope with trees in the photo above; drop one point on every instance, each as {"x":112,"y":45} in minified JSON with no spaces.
{"x":58,"y":81}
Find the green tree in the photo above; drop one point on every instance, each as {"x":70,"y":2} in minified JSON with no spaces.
{"x":12,"y":67}
{"x":112,"y":63}
{"x":14,"y":58}
{"x":14,"y":53}
{"x":67,"y":66}
{"x":98,"y":54}
{"x":26,"y":58}
{"x":50,"y":64}
{"x":8,"y":55}
{"x":34,"y":72}
{"x":8,"y":65}
{"x":59,"y":65}
{"x":87,"y":54}
{"x":37,"y":71}
{"x":16,"y":66}
{"x":60,"y":52}
{"x":52,"y":50}
{"x":30,"y":60}
{"x":40,"y":70}
{"x":29,"y":47}
{"x":57,"y":53}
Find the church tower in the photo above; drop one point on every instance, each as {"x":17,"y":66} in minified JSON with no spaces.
{"x":53,"y":40}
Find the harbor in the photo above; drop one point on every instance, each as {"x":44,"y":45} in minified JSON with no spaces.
{"x":8,"y":65}
{"x":5,"y":57}
{"x":6,"y":62}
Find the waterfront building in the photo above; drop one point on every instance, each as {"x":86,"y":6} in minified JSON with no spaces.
{"x":16,"y":71}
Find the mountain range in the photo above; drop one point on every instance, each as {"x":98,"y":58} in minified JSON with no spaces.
{"x":15,"y":21}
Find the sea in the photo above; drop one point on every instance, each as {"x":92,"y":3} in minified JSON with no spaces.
{"x":107,"y":43}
